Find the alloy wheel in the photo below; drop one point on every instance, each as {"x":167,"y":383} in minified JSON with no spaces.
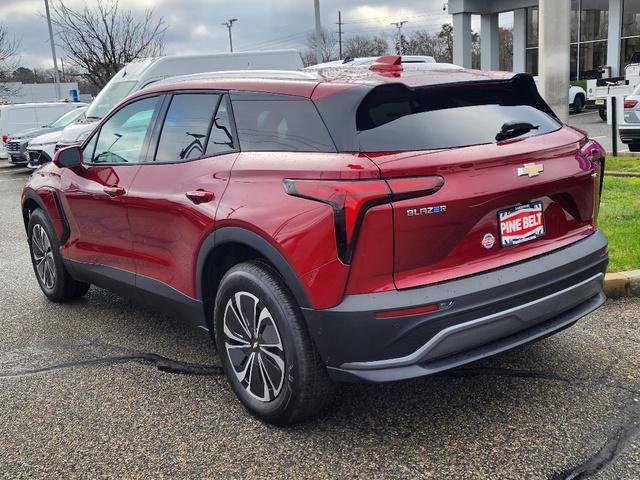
{"x":43,"y":256}
{"x":253,"y":346}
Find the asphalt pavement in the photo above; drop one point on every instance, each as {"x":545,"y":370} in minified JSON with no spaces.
{"x":590,"y":121}
{"x":103,"y":388}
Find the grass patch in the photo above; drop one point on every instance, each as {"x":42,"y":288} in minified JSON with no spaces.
{"x":623,"y":164}
{"x":619,"y":219}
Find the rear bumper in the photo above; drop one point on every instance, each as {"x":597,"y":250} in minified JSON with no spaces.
{"x":630,"y":135}
{"x":491,"y":312}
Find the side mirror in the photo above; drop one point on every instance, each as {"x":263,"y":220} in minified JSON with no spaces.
{"x":68,"y":157}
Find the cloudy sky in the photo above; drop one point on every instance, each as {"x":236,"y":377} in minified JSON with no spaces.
{"x":194,"y":26}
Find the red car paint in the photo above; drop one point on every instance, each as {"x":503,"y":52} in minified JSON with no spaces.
{"x":156,"y":231}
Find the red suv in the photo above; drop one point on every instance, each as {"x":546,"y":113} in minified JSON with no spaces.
{"x":348,"y":225}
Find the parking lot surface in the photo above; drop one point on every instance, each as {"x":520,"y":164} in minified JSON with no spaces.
{"x":104,"y":388}
{"x":590,"y":121}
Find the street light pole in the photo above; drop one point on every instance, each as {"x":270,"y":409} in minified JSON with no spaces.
{"x":399,"y":27}
{"x":229,"y":23}
{"x":56,"y":78}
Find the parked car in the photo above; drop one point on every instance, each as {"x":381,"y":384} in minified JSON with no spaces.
{"x":630,"y":129}
{"x":355,"y":225}
{"x":577,"y":97}
{"x":17,"y":144}
{"x":141,"y":73}
{"x":22,"y":116}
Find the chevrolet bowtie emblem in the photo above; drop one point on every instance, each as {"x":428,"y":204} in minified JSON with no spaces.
{"x":531,"y":169}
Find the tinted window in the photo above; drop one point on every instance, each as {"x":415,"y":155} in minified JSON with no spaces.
{"x":108,"y":97}
{"x":185,"y":128}
{"x":121,"y":138}
{"x":221,"y":138}
{"x":395,"y":118}
{"x":283,"y":124}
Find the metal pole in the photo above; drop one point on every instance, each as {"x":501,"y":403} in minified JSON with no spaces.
{"x":399,"y":27}
{"x":229,"y":23}
{"x":56,"y":78}
{"x":339,"y":35}
{"x":614,"y":126}
{"x":316,"y":5}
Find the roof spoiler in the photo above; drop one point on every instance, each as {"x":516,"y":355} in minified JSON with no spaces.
{"x":387,"y":64}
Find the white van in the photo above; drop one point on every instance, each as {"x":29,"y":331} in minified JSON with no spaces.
{"x":141,"y":73}
{"x":22,"y":116}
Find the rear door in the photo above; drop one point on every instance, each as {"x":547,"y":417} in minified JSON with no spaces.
{"x":95,"y":194}
{"x":174,"y":197}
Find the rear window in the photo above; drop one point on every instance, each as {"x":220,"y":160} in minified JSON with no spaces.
{"x":396,"y":118}
{"x":280,"y":123}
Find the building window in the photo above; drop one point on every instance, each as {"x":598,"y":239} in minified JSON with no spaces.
{"x":589,"y":30}
{"x":532,"y":40}
{"x":630,"y":32}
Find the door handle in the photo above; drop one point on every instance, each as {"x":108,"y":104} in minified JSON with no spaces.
{"x":200,"y":196}
{"x":114,"y":191}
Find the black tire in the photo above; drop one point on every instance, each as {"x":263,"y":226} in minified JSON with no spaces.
{"x":43,"y":240}
{"x":304,"y":388}
{"x":603,"y":114}
{"x":578,"y":104}
{"x":634,"y":147}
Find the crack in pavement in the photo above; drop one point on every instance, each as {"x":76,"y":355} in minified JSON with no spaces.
{"x":610,"y":451}
{"x":12,"y":364}
{"x":615,"y":445}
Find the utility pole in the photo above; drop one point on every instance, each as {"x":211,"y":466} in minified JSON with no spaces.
{"x":316,"y":6}
{"x":229,"y":23}
{"x":340,"y":23}
{"x":56,"y":78}
{"x":399,"y":27}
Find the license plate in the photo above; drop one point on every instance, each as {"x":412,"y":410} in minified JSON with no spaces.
{"x":521,"y":224}
{"x":599,"y":102}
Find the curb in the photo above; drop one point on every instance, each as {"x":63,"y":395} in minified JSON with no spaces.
{"x":608,"y":173}
{"x":622,"y":284}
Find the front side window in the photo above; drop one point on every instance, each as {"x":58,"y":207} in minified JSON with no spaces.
{"x":122,"y":137}
{"x":221,"y":138}
{"x":284,"y":124}
{"x":186,"y":125}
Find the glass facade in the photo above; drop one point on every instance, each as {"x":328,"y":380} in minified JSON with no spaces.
{"x":630,"y":42}
{"x":589,"y":30}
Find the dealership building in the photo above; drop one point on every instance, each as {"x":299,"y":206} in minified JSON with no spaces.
{"x":603,"y":32}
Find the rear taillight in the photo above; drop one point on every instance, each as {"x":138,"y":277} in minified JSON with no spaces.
{"x":351,"y":199}
{"x":5,"y":138}
{"x":630,"y":103}
{"x":594,"y":153}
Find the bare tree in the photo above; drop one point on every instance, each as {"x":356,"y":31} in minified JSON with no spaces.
{"x":328,"y":46}
{"x":506,"y":49}
{"x":9,"y":47}
{"x":446,"y":36}
{"x":101,"y":40}
{"x":362,"y":46}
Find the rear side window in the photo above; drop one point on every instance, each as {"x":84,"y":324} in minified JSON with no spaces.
{"x":396,"y":118}
{"x":280,"y":123}
{"x":185,"y":128}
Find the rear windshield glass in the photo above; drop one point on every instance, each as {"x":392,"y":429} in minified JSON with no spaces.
{"x":282,"y":123}
{"x":395,"y":118}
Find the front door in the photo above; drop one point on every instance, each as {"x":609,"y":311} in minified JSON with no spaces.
{"x":174,"y":197}
{"x":94,"y":195}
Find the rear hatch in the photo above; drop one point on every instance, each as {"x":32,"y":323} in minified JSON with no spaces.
{"x":516,"y":182}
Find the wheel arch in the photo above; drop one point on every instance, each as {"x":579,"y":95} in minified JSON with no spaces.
{"x":49,"y":202}
{"x":237,"y":244}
